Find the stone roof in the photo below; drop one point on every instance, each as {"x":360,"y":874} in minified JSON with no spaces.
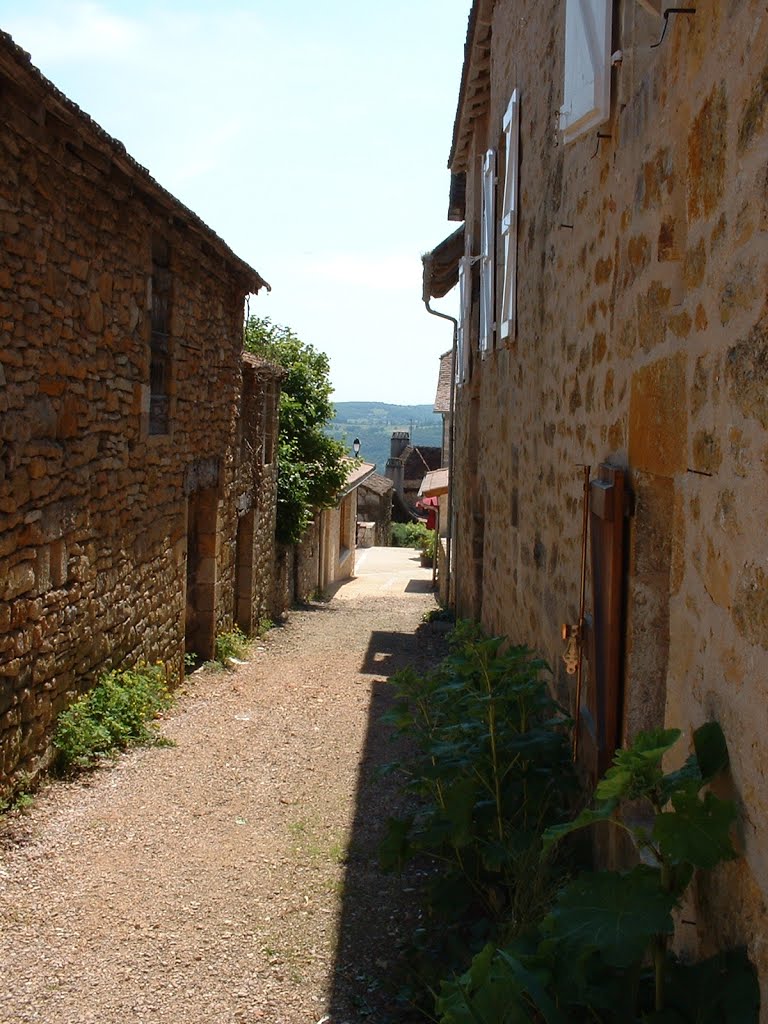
{"x":378,"y":484}
{"x":444,"y":380}
{"x":357,"y":473}
{"x":260,"y":365}
{"x":418,"y":460}
{"x":475,"y":88}
{"x":434,"y":483}
{"x":440,"y":270}
{"x":16,"y":66}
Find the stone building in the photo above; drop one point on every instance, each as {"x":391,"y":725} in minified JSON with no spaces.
{"x":406,"y":467}
{"x":137,"y":485}
{"x":326,"y":553}
{"x":609,"y":162}
{"x":374,"y":505}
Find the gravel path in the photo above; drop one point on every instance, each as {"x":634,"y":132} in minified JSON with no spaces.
{"x":231,"y":878}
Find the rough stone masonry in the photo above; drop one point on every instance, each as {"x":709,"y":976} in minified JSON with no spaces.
{"x":137,"y":484}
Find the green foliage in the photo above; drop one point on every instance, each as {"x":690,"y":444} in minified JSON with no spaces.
{"x":116,"y":714}
{"x":408,"y":535}
{"x":600,"y":953}
{"x":374,"y":422}
{"x":491,"y":769}
{"x":232,"y":644}
{"x":311,"y":468}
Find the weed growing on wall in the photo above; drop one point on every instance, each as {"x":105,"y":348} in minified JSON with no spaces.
{"x":232,"y":645}
{"x":117,"y":713}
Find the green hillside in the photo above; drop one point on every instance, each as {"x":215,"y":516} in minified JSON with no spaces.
{"x":374,"y":422}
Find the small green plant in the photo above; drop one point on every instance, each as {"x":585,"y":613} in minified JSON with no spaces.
{"x":117,"y":713}
{"x":439,"y":615}
{"x":232,"y":645}
{"x":19,"y":798}
{"x":408,"y":535}
{"x":428,"y":546}
{"x":601,"y":952}
{"x":264,"y":626}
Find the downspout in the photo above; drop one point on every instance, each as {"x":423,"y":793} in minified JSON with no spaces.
{"x":449,"y":531}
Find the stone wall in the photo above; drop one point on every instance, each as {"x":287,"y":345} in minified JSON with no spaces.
{"x":641,"y":341}
{"x":97,"y":513}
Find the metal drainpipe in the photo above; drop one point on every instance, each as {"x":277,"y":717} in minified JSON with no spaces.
{"x":449,"y":532}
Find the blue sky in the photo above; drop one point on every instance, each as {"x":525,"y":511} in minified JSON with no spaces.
{"x":313,"y":137}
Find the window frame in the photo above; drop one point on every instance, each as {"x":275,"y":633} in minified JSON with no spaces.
{"x":509,"y":216}
{"x":487,"y":251}
{"x":586,"y":67}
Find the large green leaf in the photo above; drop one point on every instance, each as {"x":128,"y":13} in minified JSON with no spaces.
{"x":636,"y":769}
{"x":696,"y":831}
{"x":587,"y":817}
{"x":616,"y":914}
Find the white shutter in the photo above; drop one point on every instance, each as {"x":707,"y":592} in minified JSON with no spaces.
{"x":587,"y":86}
{"x":487,"y":249}
{"x":462,"y":332}
{"x":511,"y":126}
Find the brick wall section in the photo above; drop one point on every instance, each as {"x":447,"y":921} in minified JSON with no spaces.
{"x":93,"y":509}
{"x":643,"y":341}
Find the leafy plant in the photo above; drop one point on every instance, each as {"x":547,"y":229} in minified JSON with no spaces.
{"x":428,"y":546}
{"x":117,"y":713}
{"x":586,"y":960}
{"x":491,"y":770}
{"x":311,"y":465}
{"x":232,"y":644}
{"x":408,"y":535}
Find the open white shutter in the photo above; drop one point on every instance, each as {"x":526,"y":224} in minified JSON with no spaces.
{"x":587,"y":86}
{"x":511,"y":126}
{"x":462,"y":333}
{"x":487,"y":249}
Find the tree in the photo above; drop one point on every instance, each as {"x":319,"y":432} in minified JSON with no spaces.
{"x":311,"y":468}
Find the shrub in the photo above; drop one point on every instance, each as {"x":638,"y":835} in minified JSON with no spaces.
{"x":408,"y":535}
{"x":116,"y":714}
{"x":491,"y":770}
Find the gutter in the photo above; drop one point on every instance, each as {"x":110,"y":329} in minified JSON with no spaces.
{"x":449,"y":531}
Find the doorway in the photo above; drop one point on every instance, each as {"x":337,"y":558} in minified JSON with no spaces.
{"x":202,"y":551}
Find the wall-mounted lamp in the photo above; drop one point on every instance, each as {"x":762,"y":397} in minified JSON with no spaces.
{"x":356,"y":446}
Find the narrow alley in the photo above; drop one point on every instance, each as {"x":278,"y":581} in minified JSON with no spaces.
{"x":231,"y":877}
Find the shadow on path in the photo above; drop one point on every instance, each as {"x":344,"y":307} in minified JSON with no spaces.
{"x":378,"y":911}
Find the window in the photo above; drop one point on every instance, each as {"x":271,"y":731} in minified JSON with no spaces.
{"x":587,"y":87}
{"x":511,"y":128}
{"x":462,"y":333}
{"x":159,"y":345}
{"x":487,"y":249}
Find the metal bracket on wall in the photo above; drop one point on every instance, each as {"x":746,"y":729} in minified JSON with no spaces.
{"x":671,"y":10}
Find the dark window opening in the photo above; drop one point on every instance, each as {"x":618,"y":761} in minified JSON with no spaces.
{"x":160,"y":345}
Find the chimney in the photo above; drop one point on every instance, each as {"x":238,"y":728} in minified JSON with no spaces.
{"x":398,"y":444}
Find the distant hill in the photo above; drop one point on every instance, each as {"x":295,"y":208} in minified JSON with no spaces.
{"x":374,"y":422}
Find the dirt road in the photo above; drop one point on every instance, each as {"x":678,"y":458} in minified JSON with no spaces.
{"x":232,"y":877}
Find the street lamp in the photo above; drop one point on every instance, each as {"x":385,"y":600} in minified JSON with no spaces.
{"x":356,"y":446}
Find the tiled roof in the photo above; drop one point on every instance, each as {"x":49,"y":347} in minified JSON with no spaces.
{"x":379,"y":484}
{"x":475,"y":88}
{"x":440,"y":267}
{"x":357,"y":473}
{"x":17,"y":65}
{"x":434,"y":483}
{"x":420,"y":460}
{"x":443,"y":395}
{"x":256,"y":363}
